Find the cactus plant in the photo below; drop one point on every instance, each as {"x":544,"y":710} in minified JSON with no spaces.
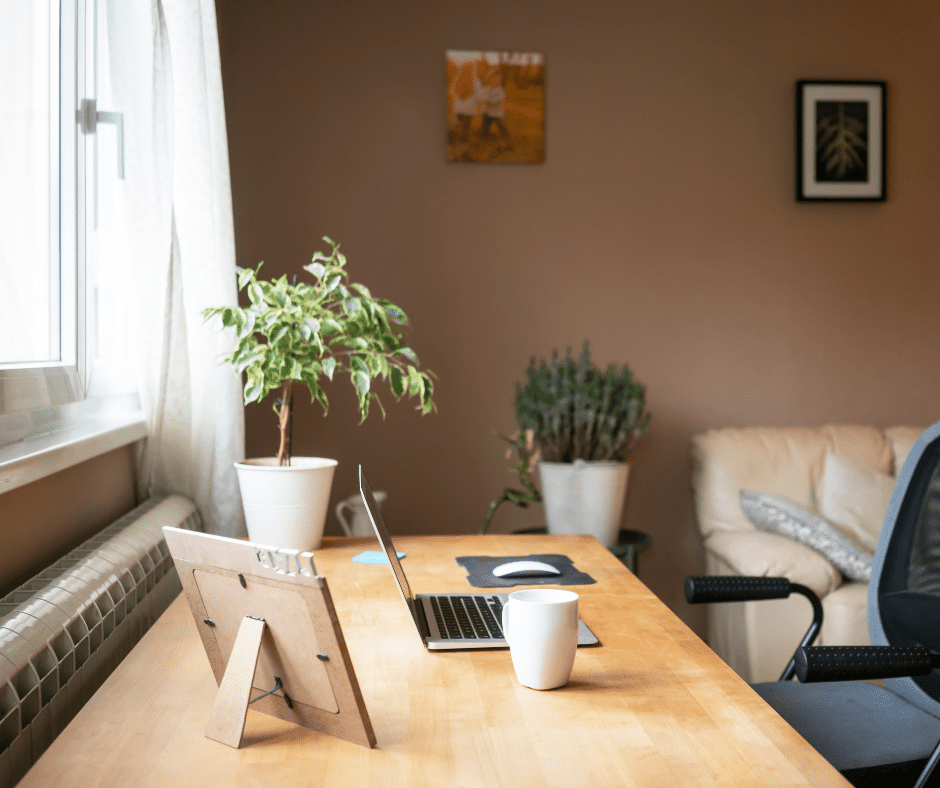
{"x":577,"y":412}
{"x":569,"y":410}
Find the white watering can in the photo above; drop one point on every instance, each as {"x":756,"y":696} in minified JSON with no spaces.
{"x":358,"y":523}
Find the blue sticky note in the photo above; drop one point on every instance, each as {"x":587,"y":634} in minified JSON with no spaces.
{"x":373,"y":557}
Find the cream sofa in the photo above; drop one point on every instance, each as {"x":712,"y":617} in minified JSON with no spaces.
{"x":757,"y":639}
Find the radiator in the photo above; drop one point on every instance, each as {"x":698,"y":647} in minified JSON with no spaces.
{"x":64,"y":631}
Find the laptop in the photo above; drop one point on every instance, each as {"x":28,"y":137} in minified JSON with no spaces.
{"x":449,"y":621}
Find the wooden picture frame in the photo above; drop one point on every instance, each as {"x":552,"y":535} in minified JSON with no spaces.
{"x":841,"y":129}
{"x":270,"y":631}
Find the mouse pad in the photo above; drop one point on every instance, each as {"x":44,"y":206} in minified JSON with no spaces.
{"x":480,"y":571}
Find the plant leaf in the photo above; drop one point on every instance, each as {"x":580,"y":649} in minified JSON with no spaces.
{"x":361,"y":382}
{"x":330,"y":326}
{"x":248,"y":360}
{"x":358,"y":364}
{"x":245,"y":318}
{"x":253,"y":391}
{"x":395,"y":314}
{"x":397,"y":382}
{"x":415,"y":383}
{"x":408,"y":353}
{"x":329,"y":365}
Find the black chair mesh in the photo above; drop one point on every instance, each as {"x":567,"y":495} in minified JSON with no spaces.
{"x":909,"y":587}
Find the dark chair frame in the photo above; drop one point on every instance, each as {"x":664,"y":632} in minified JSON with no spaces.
{"x":898,"y":664}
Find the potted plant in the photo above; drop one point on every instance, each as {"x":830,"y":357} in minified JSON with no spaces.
{"x":581,"y":425}
{"x":302,"y":333}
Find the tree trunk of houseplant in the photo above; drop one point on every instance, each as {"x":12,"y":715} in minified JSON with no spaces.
{"x":285,"y":498}
{"x":284,"y":422}
{"x":584,"y":497}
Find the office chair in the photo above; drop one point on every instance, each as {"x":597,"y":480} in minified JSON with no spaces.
{"x":874,"y":736}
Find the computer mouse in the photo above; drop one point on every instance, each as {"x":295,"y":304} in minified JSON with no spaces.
{"x":525,"y":569}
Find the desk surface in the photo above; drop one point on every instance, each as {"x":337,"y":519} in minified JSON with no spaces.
{"x":652,"y":706}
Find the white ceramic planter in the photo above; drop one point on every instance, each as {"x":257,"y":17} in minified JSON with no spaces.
{"x":286,"y":506}
{"x":358,"y":523}
{"x":584,"y":498}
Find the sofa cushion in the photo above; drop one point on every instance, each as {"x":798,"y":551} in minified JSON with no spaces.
{"x":845,"y":616}
{"x":778,"y":515}
{"x":785,"y":461}
{"x":855,"y":499}
{"x":758,"y":554}
{"x":902,"y":440}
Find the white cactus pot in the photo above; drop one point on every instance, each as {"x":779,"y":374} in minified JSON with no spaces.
{"x":584,"y":498}
{"x":285,"y":506}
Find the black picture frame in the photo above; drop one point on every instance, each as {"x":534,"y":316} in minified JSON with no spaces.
{"x":841,"y":141}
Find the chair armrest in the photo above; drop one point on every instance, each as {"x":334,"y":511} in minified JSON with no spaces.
{"x":758,"y":554}
{"x":744,"y":589}
{"x":734,"y":588}
{"x":854,"y":663}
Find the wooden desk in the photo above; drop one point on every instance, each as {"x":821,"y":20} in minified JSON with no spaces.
{"x":652,"y":706}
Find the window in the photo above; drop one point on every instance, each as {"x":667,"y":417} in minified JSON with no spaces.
{"x":29,"y":157}
{"x":62,"y":321}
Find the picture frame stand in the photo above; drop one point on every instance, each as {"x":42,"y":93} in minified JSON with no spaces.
{"x":227,"y":721}
{"x":266,"y":619}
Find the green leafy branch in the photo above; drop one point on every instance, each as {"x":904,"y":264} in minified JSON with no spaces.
{"x":305,"y":332}
{"x":527,"y":457}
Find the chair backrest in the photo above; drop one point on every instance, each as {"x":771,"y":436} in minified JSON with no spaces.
{"x":904,"y":591}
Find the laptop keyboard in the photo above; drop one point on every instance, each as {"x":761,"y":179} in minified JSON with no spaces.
{"x":467,"y":617}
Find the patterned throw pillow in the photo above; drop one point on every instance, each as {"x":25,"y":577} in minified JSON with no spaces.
{"x":778,"y":515}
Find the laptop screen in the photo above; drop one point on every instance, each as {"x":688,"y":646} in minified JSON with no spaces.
{"x":382,"y":533}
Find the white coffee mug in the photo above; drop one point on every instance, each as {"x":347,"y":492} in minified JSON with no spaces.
{"x":541,"y":627}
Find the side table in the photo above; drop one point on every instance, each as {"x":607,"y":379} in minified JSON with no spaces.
{"x":628,"y":548}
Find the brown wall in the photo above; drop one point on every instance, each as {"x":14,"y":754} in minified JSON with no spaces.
{"x":663,"y":227}
{"x":42,"y":521}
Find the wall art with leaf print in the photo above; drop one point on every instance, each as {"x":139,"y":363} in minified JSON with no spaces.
{"x":840,"y":141}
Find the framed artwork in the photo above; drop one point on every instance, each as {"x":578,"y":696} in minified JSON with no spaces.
{"x":495,"y":106}
{"x":840,"y":141}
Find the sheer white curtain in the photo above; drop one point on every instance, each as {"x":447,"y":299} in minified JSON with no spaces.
{"x":179,"y":247}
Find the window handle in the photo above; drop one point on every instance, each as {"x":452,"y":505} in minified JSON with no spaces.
{"x":89,"y":117}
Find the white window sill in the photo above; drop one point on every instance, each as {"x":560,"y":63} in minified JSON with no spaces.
{"x":43,"y":442}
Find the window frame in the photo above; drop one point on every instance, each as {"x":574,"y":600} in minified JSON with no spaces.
{"x":23,"y":385}
{"x":48,"y":420}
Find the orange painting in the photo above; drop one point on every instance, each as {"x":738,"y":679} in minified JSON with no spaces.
{"x":495,"y":106}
